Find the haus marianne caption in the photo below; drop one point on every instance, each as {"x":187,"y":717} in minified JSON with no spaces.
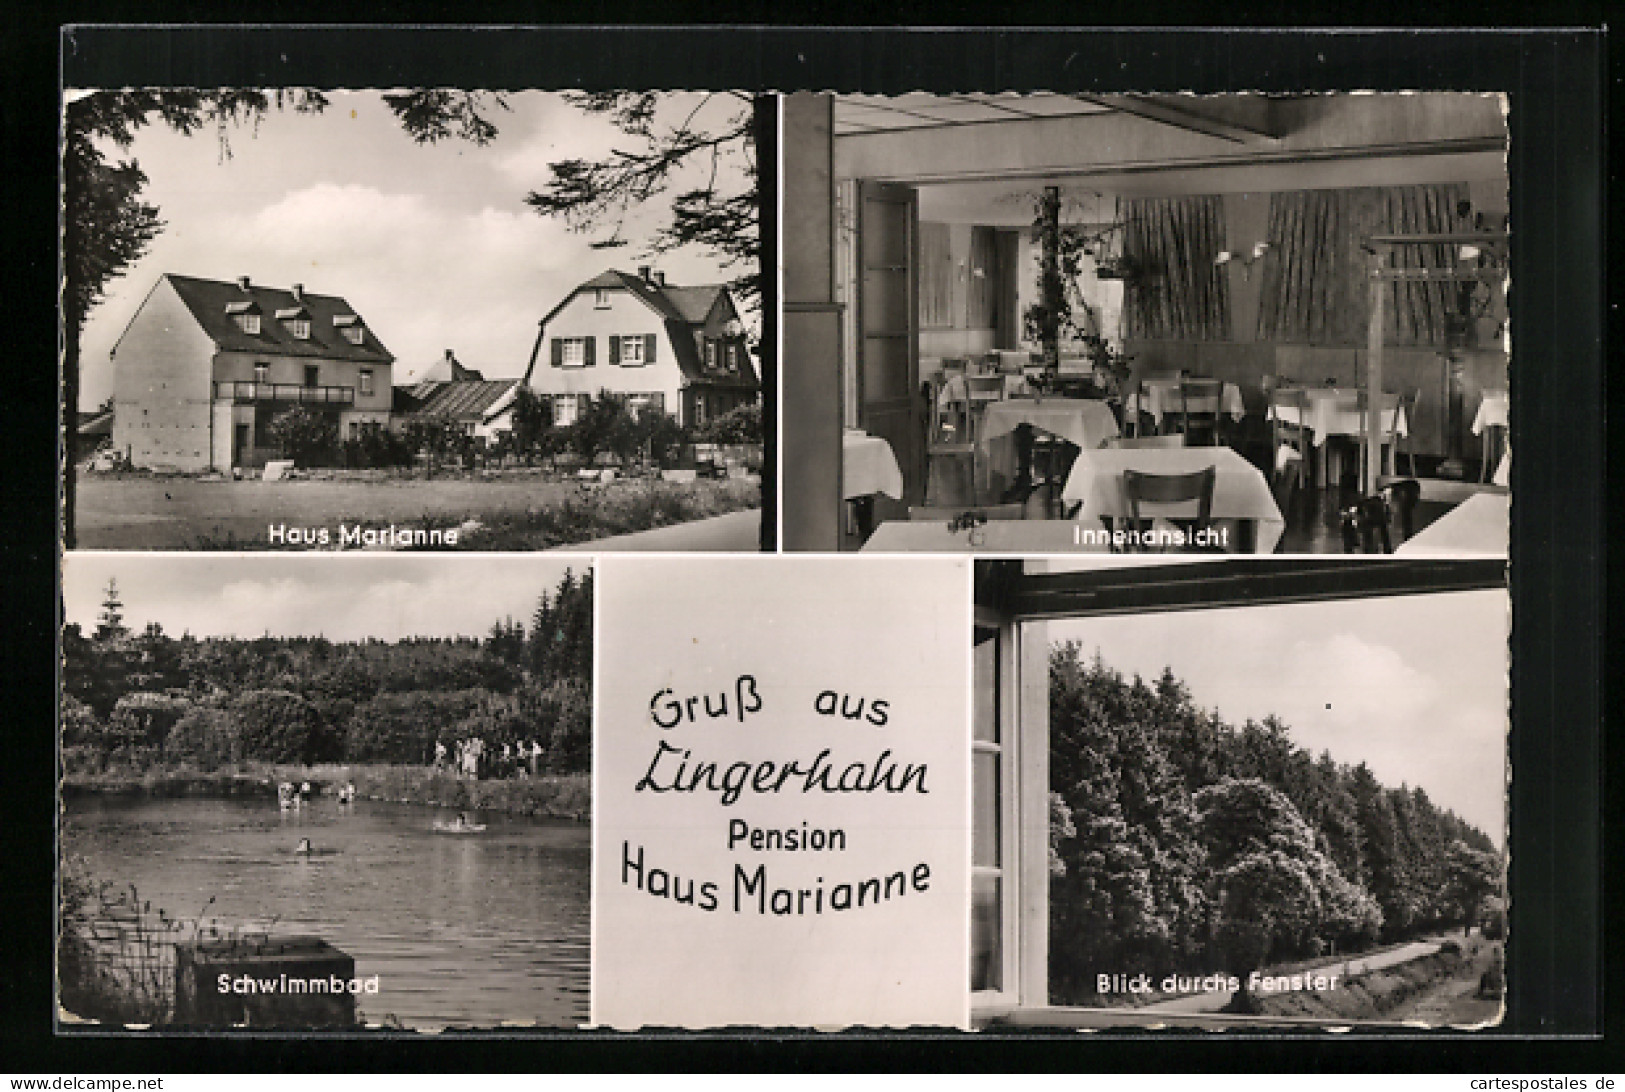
{"x":675,"y":769}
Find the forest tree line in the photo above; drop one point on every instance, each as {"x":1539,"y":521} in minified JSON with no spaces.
{"x":141,"y":699}
{"x":1181,"y":843}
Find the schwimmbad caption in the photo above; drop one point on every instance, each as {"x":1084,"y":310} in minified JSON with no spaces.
{"x":692,"y":727}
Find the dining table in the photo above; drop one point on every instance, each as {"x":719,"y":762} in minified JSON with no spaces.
{"x":1334,"y":411}
{"x":868,"y":466}
{"x":1241,"y":493}
{"x":1162,"y":398}
{"x":1477,"y":527}
{"x":1086,"y":422}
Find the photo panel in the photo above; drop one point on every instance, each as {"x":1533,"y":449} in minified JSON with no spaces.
{"x":1045,"y":323}
{"x":781,"y":792}
{"x":324,"y":793}
{"x":1241,"y":794}
{"x":423,"y":319}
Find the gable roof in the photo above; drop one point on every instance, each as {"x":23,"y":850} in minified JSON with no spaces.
{"x":211,"y":304}
{"x":458,"y":399}
{"x":689,"y":304}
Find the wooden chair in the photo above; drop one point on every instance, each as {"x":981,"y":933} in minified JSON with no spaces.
{"x":1199,"y":409}
{"x":950,"y":447}
{"x":1172,"y":439}
{"x":1141,"y":488}
{"x":1489,"y":446}
{"x":1290,"y":438}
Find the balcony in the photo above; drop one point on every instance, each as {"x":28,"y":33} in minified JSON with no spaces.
{"x":249,"y":391}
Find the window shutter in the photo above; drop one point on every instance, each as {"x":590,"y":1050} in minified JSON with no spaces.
{"x":657,"y":399}
{"x":614,"y":348}
{"x":590,"y":352}
{"x":558,"y":353}
{"x":583,"y":402}
{"x":648,"y":348}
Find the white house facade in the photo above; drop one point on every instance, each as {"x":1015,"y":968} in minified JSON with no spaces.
{"x":679,"y":349}
{"x":205,"y":366}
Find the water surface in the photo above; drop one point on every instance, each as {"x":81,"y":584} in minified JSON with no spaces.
{"x":461,"y":930}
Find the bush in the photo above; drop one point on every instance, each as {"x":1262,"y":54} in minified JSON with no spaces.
{"x":79,"y":723}
{"x":144,"y":719}
{"x":740,"y":425}
{"x":281,"y":726}
{"x":403,"y":727}
{"x":206,"y":737}
{"x":307,"y":436}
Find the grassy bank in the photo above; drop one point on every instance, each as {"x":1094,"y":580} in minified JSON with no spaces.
{"x":1381,"y":993}
{"x":556,"y":796}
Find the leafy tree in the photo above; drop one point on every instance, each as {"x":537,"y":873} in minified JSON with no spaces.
{"x":596,"y":196}
{"x":206,"y":736}
{"x":1474,"y":876}
{"x":532,"y":421}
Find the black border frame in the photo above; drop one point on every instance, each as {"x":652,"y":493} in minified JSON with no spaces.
{"x":1557,"y":79}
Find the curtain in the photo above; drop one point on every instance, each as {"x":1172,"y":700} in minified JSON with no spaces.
{"x":1314,"y":287}
{"x":1175,"y":291}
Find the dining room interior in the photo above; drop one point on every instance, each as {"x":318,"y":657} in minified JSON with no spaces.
{"x":1113,"y":323}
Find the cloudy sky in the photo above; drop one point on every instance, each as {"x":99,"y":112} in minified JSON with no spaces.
{"x":432,"y":244}
{"x":1415,"y":686}
{"x":342,"y":597}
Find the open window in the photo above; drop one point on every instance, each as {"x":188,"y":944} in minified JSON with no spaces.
{"x":1119,"y":711}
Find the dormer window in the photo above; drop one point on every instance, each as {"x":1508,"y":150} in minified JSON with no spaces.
{"x":732,"y":355}
{"x":246,"y":316}
{"x":710,"y":355}
{"x":296,"y":320}
{"x":350,"y":326}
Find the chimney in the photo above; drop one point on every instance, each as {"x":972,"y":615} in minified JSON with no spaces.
{"x":449,"y":358}
{"x":660,"y":278}
{"x":299,"y":293}
{"x":242,"y":282}
{"x":643,"y":274}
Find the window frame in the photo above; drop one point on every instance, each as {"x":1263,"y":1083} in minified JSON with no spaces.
{"x":298,"y":328}
{"x":1020,"y":607}
{"x":627,"y":342}
{"x":364,"y":383}
{"x":580,"y":345}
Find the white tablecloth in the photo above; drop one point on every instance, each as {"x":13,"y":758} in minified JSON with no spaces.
{"x":1240,"y":492}
{"x":1332,"y":412}
{"x":868,"y":467}
{"x":1086,"y":422}
{"x":1162,"y":397}
{"x":1493,"y":409}
{"x":1477,"y":527}
{"x":1012,"y":536}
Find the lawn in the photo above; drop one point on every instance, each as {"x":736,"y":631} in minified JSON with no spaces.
{"x":519,"y":512}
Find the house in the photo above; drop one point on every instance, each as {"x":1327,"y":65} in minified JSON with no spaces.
{"x":205,"y":366}
{"x":450,"y":391}
{"x":680,"y":349}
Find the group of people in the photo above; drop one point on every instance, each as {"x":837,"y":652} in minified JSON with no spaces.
{"x":474,"y":759}
{"x":290,"y":796}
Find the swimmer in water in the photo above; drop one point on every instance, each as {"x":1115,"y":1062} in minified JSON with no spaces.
{"x":303,"y":846}
{"x":462,"y":819}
